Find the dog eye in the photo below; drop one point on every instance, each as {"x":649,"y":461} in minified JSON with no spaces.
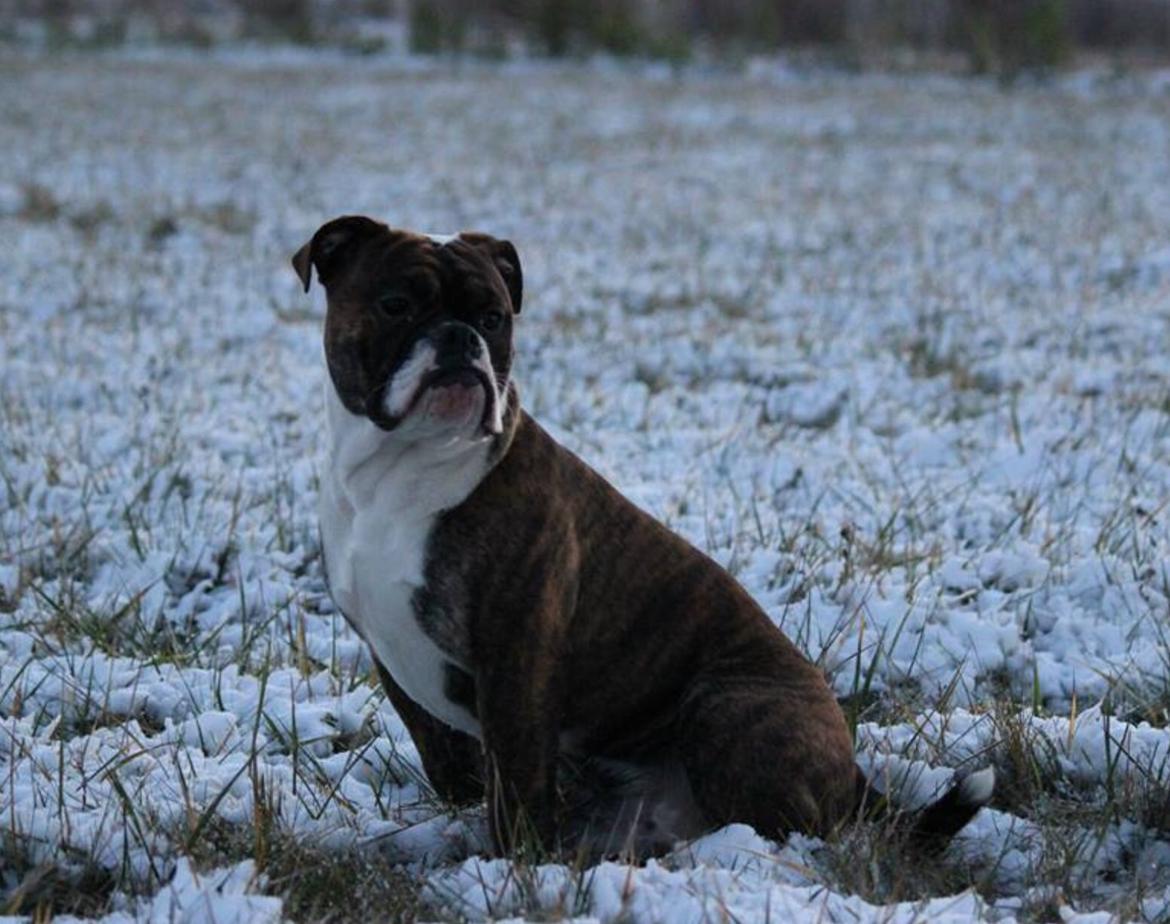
{"x":394,"y":304}
{"x":492,"y":320}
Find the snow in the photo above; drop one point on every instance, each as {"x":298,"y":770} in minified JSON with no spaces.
{"x":892,"y":350}
{"x":768,"y":886}
{"x":219,"y":896}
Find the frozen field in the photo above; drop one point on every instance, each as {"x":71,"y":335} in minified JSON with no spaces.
{"x":896,"y":351}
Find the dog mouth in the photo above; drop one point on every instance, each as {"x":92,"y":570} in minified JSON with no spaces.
{"x":462,"y":376}
{"x":439,"y":395}
{"x":454,"y":394}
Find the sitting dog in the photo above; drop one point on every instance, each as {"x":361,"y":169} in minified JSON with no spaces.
{"x":533,"y":628}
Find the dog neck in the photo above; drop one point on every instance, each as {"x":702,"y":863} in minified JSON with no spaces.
{"x":373,"y":467}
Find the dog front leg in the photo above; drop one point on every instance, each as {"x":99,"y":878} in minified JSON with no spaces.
{"x":520,"y":731}
{"x":519,"y":642}
{"x":451,"y":759}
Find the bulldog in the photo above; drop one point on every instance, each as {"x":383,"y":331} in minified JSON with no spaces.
{"x":550,"y":646}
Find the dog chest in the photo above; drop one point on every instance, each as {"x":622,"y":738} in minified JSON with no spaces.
{"x":376,"y":579}
{"x":377,"y":511}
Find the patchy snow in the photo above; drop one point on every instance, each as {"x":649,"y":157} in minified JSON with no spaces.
{"x":893,"y":351}
{"x":219,"y":896}
{"x":769,"y":886}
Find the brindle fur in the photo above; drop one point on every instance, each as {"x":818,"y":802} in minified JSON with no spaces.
{"x":590,"y":617}
{"x":592,"y":630}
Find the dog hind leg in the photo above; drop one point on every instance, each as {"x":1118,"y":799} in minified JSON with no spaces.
{"x":774,"y":755}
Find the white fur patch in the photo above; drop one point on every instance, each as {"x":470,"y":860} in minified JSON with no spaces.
{"x":644,"y":808}
{"x":495,"y":421}
{"x":976,"y":789}
{"x":442,"y":239}
{"x":380,"y":494}
{"x":405,"y":383}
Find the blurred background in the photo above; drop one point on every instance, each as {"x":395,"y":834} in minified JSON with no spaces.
{"x":1004,"y":37}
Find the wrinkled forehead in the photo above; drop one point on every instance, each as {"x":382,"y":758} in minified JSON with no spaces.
{"x":428,"y":260}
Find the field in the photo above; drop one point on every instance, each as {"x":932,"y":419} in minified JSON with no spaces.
{"x":895,"y":350}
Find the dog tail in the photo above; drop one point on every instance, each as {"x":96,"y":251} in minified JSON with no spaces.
{"x":933,"y":825}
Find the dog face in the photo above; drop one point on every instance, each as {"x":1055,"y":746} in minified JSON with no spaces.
{"x":418,"y":333}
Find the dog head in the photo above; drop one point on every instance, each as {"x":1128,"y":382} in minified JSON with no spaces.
{"x":418,"y":332}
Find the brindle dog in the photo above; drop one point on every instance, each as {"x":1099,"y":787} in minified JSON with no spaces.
{"x":524,"y":615}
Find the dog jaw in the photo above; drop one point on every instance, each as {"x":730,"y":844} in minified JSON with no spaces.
{"x":455,"y":407}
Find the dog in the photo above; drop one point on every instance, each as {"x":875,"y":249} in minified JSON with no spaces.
{"x":551,"y":648}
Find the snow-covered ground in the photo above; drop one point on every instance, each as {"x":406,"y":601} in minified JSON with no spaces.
{"x":894,"y":350}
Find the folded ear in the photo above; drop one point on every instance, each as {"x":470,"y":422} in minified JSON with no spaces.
{"x":328,"y":247}
{"x":503,"y":255}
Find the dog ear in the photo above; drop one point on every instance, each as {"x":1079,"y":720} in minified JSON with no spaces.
{"x":327,"y":247}
{"x":503,"y":255}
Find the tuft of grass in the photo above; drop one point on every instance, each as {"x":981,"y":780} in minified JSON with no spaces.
{"x":316,"y":883}
{"x":229,"y":218}
{"x":39,"y":204}
{"x":874,"y":862}
{"x":75,"y":885}
{"x":352,"y":886}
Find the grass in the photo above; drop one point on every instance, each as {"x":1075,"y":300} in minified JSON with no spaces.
{"x":43,"y":890}
{"x":1073,"y":823}
{"x":869,"y":861}
{"x":318,"y":884}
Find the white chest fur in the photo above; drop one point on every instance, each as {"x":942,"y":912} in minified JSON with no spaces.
{"x":379,"y":501}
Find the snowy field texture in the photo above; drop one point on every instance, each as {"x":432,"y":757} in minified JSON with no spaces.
{"x":896,"y":351}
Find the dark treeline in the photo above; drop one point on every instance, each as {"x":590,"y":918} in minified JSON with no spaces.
{"x":991,"y":35}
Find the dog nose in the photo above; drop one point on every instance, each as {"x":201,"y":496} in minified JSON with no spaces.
{"x":456,"y":344}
